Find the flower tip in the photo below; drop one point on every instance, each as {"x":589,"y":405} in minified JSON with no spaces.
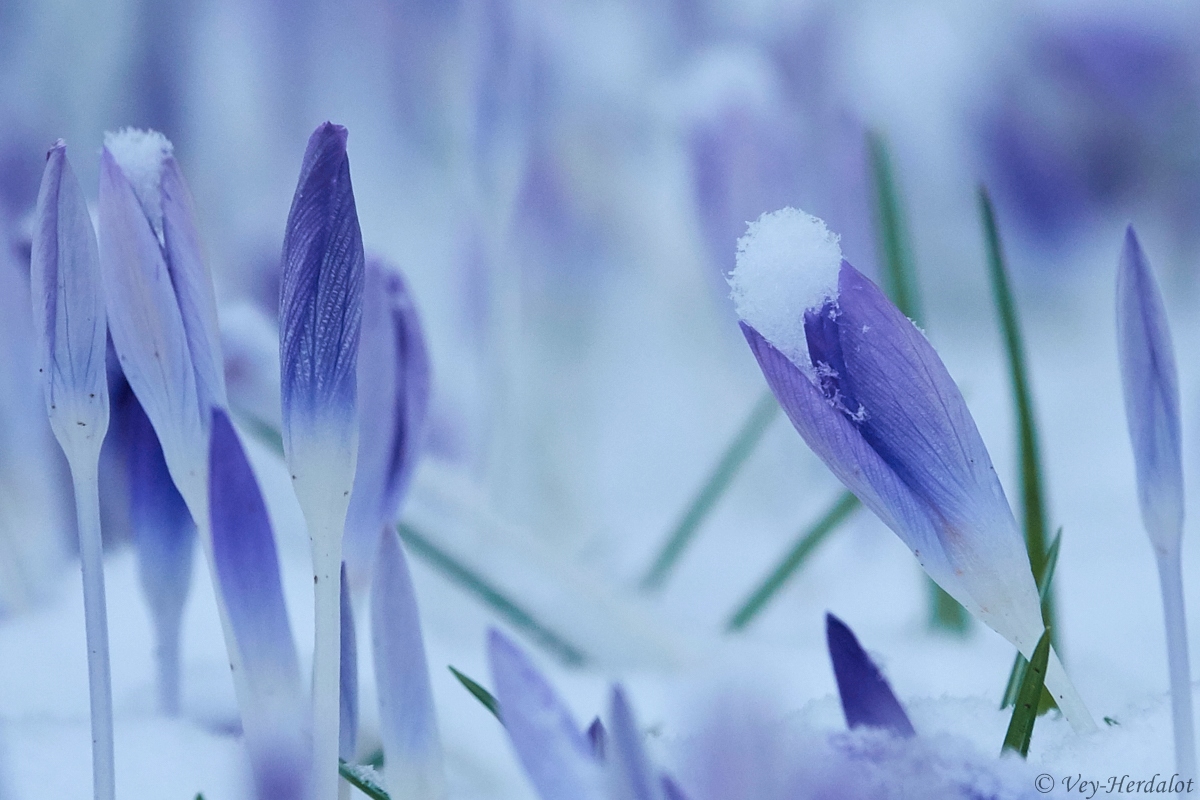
{"x":58,"y":149}
{"x":866,"y":697}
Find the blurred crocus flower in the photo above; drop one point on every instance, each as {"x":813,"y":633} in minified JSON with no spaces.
{"x":1151,"y":388}
{"x":412,"y":749}
{"x":869,"y":395}
{"x":393,"y":395}
{"x":161,"y":305}
{"x":68,"y":311}
{"x":867,"y":700}
{"x":164,"y":535}
{"x":247,"y":568}
{"x":320,"y":322}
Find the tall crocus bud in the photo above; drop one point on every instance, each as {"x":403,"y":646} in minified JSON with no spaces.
{"x":869,"y":395}
{"x":866,"y":697}
{"x":161,"y":304}
{"x":1152,"y":408}
{"x":320,"y":318}
{"x":163,"y":535}
{"x":412,"y":750}
{"x":68,"y":312}
{"x":553,"y":750}
{"x":247,"y":570}
{"x":393,"y":394}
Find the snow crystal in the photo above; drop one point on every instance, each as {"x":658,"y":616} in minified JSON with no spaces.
{"x":787,"y":262}
{"x":141,"y":155}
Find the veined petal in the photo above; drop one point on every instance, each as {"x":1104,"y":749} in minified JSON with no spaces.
{"x":412,"y":749}
{"x":156,"y":309}
{"x":915,"y":419}
{"x":247,"y":570}
{"x":1151,"y":388}
{"x":839,"y":443}
{"x":321,"y":295}
{"x":866,"y":697}
{"x":633,"y":777}
{"x":348,"y":674}
{"x":68,"y":308}
{"x":555,"y":754}
{"x":393,"y":394}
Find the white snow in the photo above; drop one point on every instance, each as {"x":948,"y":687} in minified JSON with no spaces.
{"x":787,"y":262}
{"x":141,"y":155}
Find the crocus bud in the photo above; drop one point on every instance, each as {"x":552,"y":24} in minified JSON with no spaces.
{"x":869,"y":395}
{"x":866,"y":697}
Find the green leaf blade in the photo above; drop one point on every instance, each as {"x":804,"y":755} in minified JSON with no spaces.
{"x":481,"y":694}
{"x":1025,"y":712}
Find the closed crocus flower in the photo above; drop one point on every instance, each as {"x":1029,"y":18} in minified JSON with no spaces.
{"x":1152,"y":408}
{"x":869,"y":395}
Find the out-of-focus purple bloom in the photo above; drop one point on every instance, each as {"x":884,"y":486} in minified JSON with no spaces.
{"x":160,"y":300}
{"x":1151,"y":388}
{"x":247,"y":570}
{"x":164,"y":534}
{"x":1100,"y":111}
{"x":873,"y":400}
{"x":598,"y":738}
{"x":68,"y":306}
{"x":348,"y":727}
{"x":866,"y":697}
{"x":671,"y":790}
{"x":412,"y":749}
{"x":549,"y":744}
{"x":393,"y":395}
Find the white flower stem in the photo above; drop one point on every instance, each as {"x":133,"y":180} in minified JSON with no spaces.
{"x":87,"y":507}
{"x":1170,"y":576}
{"x":1069,"y":701}
{"x":327,"y":648}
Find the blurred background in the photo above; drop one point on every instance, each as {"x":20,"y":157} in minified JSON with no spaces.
{"x":564,"y":184}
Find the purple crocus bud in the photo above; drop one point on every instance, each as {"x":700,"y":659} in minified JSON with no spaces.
{"x":630,"y":773}
{"x":866,"y":697}
{"x":393,"y":395}
{"x":671,"y":790}
{"x":549,"y":744}
{"x":68,"y":308}
{"x":412,"y":749}
{"x":247,"y":569}
{"x":348,"y":675}
{"x":163,"y":534}
{"x":320,"y":319}
{"x":161,"y":304}
{"x":1151,"y":396}
{"x":597,"y":738}
{"x":869,"y":395}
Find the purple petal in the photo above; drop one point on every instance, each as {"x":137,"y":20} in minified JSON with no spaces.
{"x":839,"y":443}
{"x":866,"y":697}
{"x":1151,"y":396}
{"x":348,"y":726}
{"x":247,"y":569}
{"x":635,"y":780}
{"x":555,"y":754}
{"x":321,"y":296}
{"x":393,"y":394}
{"x":407,"y":721}
{"x":68,"y":307}
{"x":671,"y":790}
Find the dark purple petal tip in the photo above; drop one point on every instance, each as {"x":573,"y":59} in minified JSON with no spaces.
{"x":867,"y":700}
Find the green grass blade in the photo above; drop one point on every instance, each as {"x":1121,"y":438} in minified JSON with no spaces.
{"x":364,"y":778}
{"x":479,"y":693}
{"x":1032,"y":484}
{"x":556,"y":644}
{"x":1019,"y":663}
{"x":1025,"y":712}
{"x":891,"y":232}
{"x":727,"y":467}
{"x":841,"y":509}
{"x":900,"y":283}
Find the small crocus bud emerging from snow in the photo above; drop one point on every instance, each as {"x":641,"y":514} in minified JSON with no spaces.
{"x":412,"y":749}
{"x":866,"y":697}
{"x":554,"y":752}
{"x":869,"y":395}
{"x":1152,"y":410}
